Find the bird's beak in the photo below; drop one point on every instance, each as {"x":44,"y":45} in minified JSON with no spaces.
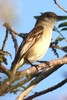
{"x":61,"y":18}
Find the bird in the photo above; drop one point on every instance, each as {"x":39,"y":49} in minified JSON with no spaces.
{"x":37,"y":42}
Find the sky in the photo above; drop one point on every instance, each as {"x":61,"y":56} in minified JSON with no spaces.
{"x":20,"y":13}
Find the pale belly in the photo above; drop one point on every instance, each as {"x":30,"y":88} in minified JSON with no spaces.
{"x":39,"y":49}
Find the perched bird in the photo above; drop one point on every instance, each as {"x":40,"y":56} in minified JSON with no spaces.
{"x":37,"y":42}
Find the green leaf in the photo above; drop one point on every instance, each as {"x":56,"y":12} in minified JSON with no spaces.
{"x":59,"y":38}
{"x":64,"y":29}
{"x":36,"y":17}
{"x":63,"y":18}
{"x":62,"y":24}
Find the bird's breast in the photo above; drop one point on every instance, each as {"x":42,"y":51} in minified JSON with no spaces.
{"x":41,"y":46}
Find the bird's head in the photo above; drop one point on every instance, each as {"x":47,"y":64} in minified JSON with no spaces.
{"x":49,"y":18}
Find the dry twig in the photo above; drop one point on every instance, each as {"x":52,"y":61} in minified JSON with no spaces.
{"x":60,"y":6}
{"x":5,"y":70}
{"x":4,"y":42}
{"x":47,"y":90}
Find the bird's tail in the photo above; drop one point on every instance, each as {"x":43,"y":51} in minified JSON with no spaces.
{"x":16,"y":65}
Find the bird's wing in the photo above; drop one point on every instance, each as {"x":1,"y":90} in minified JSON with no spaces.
{"x":30,"y":40}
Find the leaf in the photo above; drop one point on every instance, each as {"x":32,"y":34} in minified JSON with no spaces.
{"x":36,"y":17}
{"x":62,"y":24}
{"x":62,"y":18}
{"x":61,"y":48}
{"x":2,"y":56}
{"x":64,"y":48}
{"x":3,"y":59}
{"x":59,"y":38}
{"x":64,"y":29}
{"x":5,"y":53}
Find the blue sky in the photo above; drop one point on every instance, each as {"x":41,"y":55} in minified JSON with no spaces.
{"x":24,"y":22}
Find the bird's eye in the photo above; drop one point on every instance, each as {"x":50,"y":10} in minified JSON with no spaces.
{"x":48,"y":16}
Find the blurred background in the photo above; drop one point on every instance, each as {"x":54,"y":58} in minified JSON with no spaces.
{"x":20,"y":14}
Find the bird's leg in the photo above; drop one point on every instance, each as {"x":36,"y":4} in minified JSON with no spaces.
{"x":28,"y":61}
{"x":31,"y":63}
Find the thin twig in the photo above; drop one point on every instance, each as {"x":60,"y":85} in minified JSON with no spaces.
{"x":60,"y":34}
{"x":47,"y":90}
{"x":14,"y":33}
{"x":10,"y":28}
{"x":15,"y":41}
{"x":60,"y":6}
{"x":12,"y":88}
{"x":4,"y":42}
{"x":5,"y":53}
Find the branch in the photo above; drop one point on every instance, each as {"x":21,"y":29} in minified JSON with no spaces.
{"x":10,"y":28}
{"x":60,"y":34}
{"x":59,"y":6}
{"x":13,"y":34}
{"x":47,"y":90}
{"x":5,"y":70}
{"x":5,"y":53}
{"x":4,"y":42}
{"x":55,"y":64}
{"x":38,"y":79}
{"x":15,"y":41}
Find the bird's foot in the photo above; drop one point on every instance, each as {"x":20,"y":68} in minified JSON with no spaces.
{"x":36,"y":66}
{"x":47,"y":62}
